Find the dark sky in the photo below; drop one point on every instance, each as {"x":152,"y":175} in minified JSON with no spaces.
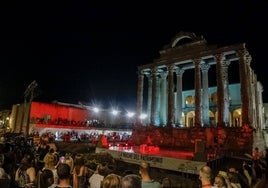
{"x":80,"y":51}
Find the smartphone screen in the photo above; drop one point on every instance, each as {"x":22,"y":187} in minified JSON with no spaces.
{"x":62,"y":159}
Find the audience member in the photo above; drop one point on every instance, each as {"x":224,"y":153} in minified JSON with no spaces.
{"x":80,"y":172}
{"x":96,"y":179}
{"x":147,"y":181}
{"x":111,"y":181}
{"x":64,"y":175}
{"x":219,"y":181}
{"x":26,"y":173}
{"x":45,"y":179}
{"x":166,"y":183}
{"x":131,"y":181}
{"x":205,"y":176}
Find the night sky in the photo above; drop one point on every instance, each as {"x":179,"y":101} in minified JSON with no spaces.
{"x":83,"y":52}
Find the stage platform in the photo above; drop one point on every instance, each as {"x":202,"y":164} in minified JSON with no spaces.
{"x":181,"y":161}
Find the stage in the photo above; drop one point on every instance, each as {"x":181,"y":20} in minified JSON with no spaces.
{"x":181,"y":161}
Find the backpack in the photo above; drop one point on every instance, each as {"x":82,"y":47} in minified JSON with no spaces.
{"x":23,"y":178}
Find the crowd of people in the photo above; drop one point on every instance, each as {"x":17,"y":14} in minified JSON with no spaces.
{"x":22,"y":165}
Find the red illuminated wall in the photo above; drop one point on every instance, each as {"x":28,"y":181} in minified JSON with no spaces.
{"x":39,"y":110}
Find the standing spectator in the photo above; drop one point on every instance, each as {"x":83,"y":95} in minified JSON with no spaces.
{"x":69,"y":160}
{"x":50,"y":162}
{"x":205,"y":176}
{"x":63,"y":171}
{"x":219,"y":181}
{"x":147,"y":181}
{"x":45,"y":179}
{"x":256,"y":154}
{"x":234,"y":179}
{"x":4,"y":179}
{"x":131,"y":181}
{"x":166,"y":183}
{"x":111,"y":181}
{"x":96,"y":179}
{"x":80,"y":172}
{"x":26,"y":173}
{"x":266,"y":162}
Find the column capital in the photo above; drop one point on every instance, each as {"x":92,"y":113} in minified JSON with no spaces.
{"x":148,"y":74}
{"x":196,"y":60}
{"x":243,"y":54}
{"x":219,"y":57}
{"x":225,"y":63}
{"x":154,"y":70}
{"x":204,"y":67}
{"x":179,"y":71}
{"x":170,"y":67}
{"x":140,"y":72}
{"x":248,"y":58}
{"x":163,"y":74}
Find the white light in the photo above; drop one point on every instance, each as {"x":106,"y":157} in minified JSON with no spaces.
{"x":115,"y":112}
{"x":143,"y":116}
{"x":96,"y":110}
{"x":130,"y":114}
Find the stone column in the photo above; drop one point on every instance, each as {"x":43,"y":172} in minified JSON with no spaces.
{"x":220,"y":90}
{"x":178,"y":114}
{"x":158,"y":101}
{"x":242,"y":54}
{"x":163,"y":111}
{"x":198,"y":120}
{"x":205,"y":95}
{"x":250,"y":89}
{"x":149,"y":98}
{"x":226,"y":94}
{"x":153,"y":105}
{"x":139,"y":96}
{"x":170,"y":96}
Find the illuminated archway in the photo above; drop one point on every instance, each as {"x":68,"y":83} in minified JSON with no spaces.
{"x":237,"y":118}
{"x":190,"y":119}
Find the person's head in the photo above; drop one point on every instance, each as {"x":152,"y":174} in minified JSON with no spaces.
{"x":219,"y":181}
{"x":2,"y":173}
{"x":111,"y":181}
{"x":79,"y":160}
{"x":205,"y":174}
{"x":166,"y":183}
{"x":46,"y":178}
{"x":51,"y":150}
{"x":232,"y":169}
{"x":50,"y":162}
{"x":63,"y":171}
{"x":102,"y":169}
{"x":131,"y":181}
{"x":24,"y":163}
{"x":233,"y":177}
{"x":144,"y":168}
{"x":2,"y":157}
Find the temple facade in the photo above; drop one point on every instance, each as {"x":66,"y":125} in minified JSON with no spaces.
{"x":226,"y":92}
